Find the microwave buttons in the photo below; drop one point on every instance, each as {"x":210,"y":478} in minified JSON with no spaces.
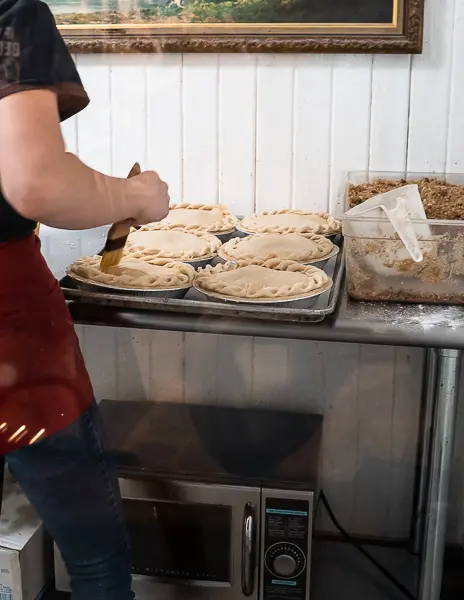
{"x":285,"y":560}
{"x":284,"y":565}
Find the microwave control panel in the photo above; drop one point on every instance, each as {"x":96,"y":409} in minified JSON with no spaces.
{"x":286,"y":537}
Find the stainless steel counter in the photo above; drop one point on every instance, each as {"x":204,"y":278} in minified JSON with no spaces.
{"x":426,"y":326}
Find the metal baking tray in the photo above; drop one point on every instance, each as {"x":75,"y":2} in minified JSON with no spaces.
{"x":194,"y":302}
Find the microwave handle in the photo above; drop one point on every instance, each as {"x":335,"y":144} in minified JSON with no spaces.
{"x":248,"y":549}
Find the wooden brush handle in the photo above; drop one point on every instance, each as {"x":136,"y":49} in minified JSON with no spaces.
{"x":136,"y":170}
{"x":121,"y":229}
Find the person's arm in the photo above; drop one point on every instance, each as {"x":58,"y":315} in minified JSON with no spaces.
{"x":44,"y":183}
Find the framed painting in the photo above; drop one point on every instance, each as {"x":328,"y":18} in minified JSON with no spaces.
{"x":372,"y":26}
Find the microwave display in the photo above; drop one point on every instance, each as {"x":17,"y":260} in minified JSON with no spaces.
{"x":180,"y":541}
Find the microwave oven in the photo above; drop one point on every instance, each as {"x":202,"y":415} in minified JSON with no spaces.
{"x":209,"y":521}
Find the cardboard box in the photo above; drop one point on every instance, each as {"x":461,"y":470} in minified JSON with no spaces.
{"x":25,"y":549}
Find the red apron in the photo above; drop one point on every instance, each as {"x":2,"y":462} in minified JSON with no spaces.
{"x":44,"y":385}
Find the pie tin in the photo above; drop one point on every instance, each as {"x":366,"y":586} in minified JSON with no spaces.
{"x":225,"y":236}
{"x":199,"y":263}
{"x":320,"y":263}
{"x":305,"y":302}
{"x":245,"y":232}
{"x":90,"y":286}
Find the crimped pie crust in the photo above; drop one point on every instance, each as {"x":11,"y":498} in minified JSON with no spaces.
{"x":175,"y":244}
{"x":284,"y":246}
{"x":208,"y":218}
{"x":291,"y":221}
{"x":133,"y":272}
{"x":273,"y":279}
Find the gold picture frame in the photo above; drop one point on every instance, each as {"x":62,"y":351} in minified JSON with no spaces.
{"x":402,"y":35}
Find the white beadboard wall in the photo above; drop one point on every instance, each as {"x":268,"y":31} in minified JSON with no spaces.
{"x":274,"y":131}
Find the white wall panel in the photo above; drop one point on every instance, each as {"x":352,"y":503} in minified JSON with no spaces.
{"x":339,"y":467}
{"x":94,"y":124}
{"x":369,"y":397}
{"x":167,"y":367}
{"x":237,"y":129}
{"x":101,"y":355}
{"x":272,"y":131}
{"x":391,"y":78}
{"x":234,"y":370}
{"x":133,"y":364}
{"x":201,"y":381}
{"x":455,"y":141}
{"x":430,"y":91}
{"x":350,"y":126}
{"x":408,"y":364}
{"x":376,"y":376}
{"x":306,"y":374}
{"x":164,"y":120}
{"x":129,"y":111}
{"x":311,"y":138}
{"x":270,"y":385}
{"x":200,"y":78}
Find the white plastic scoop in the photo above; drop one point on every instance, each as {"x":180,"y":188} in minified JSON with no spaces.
{"x":400,"y":206}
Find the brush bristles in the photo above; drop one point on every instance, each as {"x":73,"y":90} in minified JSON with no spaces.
{"x":111,"y":259}
{"x":114,"y":247}
{"x":115,"y":244}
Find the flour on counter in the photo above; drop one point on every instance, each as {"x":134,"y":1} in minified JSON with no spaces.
{"x":384,"y":315}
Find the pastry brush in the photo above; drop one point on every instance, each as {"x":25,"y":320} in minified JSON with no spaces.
{"x":117,"y":236}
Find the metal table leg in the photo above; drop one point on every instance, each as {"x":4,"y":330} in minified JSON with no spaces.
{"x":423,"y":453}
{"x":442,"y":443}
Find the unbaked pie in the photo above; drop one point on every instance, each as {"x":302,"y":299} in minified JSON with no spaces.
{"x":265,"y":282}
{"x":285,"y":246}
{"x":209,"y":218}
{"x":133,"y":272}
{"x":290,"y":221}
{"x":175,"y":244}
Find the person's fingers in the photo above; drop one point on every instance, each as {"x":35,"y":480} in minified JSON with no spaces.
{"x":131,"y":222}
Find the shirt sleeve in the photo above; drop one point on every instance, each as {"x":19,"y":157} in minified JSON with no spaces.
{"x":33,"y":56}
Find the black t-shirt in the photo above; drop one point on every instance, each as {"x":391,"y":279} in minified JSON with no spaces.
{"x":34,"y":56}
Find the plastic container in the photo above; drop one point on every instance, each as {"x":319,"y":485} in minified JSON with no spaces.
{"x":379,"y":267}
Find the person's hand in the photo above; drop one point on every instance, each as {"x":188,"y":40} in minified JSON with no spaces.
{"x":149,"y":196}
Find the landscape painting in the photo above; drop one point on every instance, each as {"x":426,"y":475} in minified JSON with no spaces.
{"x":240,"y":25}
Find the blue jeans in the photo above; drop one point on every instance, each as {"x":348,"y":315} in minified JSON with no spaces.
{"x":72,"y":484}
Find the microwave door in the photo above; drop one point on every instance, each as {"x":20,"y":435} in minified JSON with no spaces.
{"x":193,"y":541}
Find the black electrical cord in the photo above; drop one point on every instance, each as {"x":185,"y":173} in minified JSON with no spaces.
{"x":323,"y":499}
